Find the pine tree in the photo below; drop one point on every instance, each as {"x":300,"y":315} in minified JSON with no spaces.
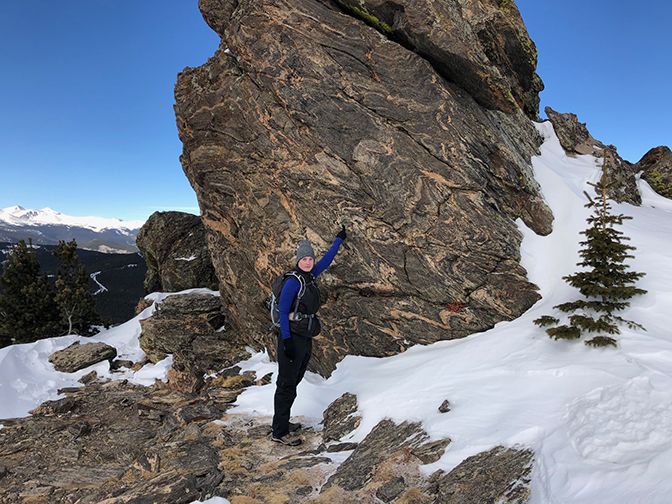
{"x":606,"y":284}
{"x":28,"y":310}
{"x":76,"y":305}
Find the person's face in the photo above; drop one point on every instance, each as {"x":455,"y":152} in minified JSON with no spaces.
{"x":306,"y":264}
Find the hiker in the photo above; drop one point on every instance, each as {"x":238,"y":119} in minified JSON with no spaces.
{"x":299,"y":322}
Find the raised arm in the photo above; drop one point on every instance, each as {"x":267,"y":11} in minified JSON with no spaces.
{"x":327,"y":258}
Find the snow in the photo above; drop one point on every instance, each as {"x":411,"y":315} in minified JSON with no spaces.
{"x":101,"y":287}
{"x":27,"y":378}
{"x":19,"y":216}
{"x":4,"y":252}
{"x":598,"y":420}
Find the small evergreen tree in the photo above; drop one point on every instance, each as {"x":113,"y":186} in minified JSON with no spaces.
{"x":28,"y":310}
{"x":76,"y":305}
{"x":606,"y":284}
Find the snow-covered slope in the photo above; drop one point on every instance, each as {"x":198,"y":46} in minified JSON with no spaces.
{"x":598,"y":420}
{"x":47,"y":227}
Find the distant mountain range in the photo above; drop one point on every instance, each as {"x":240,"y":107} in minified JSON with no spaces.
{"x":47,"y":227}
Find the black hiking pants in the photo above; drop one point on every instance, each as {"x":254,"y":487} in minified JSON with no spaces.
{"x":290,"y":374}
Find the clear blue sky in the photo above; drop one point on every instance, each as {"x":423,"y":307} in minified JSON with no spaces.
{"x":86,"y":93}
{"x":610,"y":63}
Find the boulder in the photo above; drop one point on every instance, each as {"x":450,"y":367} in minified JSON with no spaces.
{"x":56,"y":407}
{"x":572,"y":134}
{"x":445,"y":406}
{"x":170,"y":487}
{"x":173,"y":245}
{"x":390,"y":490}
{"x":576,"y":139}
{"x":77,"y":356}
{"x":308,"y":118}
{"x":195,"y":411}
{"x":340,"y":418}
{"x":656,"y":168}
{"x":177,"y":322}
{"x":191,"y":328}
{"x":380,"y":448}
{"x":500,"y":475}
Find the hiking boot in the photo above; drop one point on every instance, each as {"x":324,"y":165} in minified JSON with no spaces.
{"x":287,"y":439}
{"x":293,"y":427}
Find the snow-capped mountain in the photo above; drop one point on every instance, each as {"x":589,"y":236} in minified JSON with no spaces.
{"x":47,"y":227}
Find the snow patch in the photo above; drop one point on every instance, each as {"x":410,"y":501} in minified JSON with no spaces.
{"x":625,"y":424}
{"x":101,"y":287}
{"x":188,"y":259}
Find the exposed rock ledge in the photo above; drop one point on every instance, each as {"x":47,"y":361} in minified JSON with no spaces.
{"x":655,"y":167}
{"x":117,"y":443}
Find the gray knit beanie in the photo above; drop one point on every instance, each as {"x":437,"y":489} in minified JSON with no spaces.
{"x":304,"y":250}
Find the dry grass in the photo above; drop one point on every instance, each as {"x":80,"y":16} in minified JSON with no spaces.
{"x":229,"y":382}
{"x":336,"y":495}
{"x":413,"y":496}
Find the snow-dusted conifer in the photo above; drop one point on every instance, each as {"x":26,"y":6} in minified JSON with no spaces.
{"x":28,"y":310}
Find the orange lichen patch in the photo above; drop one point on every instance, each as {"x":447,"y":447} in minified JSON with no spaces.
{"x":229,"y":382}
{"x":243,"y":499}
{"x":284,"y":490}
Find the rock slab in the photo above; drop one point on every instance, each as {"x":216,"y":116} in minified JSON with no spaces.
{"x":500,"y":475}
{"x":119,"y":443}
{"x":174,"y":247}
{"x":656,"y":168}
{"x":78,"y":356}
{"x":190,"y":327}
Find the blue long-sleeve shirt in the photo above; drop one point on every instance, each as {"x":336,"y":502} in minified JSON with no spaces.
{"x":292,"y":287}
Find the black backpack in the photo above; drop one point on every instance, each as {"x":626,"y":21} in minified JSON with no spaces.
{"x":274,"y":296}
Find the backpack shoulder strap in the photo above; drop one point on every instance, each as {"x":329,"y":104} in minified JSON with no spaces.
{"x":300,"y":279}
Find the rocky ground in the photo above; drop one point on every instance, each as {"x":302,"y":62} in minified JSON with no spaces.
{"x":179,"y":441}
{"x":115,"y":442}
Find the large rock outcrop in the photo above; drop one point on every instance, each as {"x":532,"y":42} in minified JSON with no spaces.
{"x":481,"y":46}
{"x":174,"y":247}
{"x":313,"y":114}
{"x":656,"y":168}
{"x":576,"y":139}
